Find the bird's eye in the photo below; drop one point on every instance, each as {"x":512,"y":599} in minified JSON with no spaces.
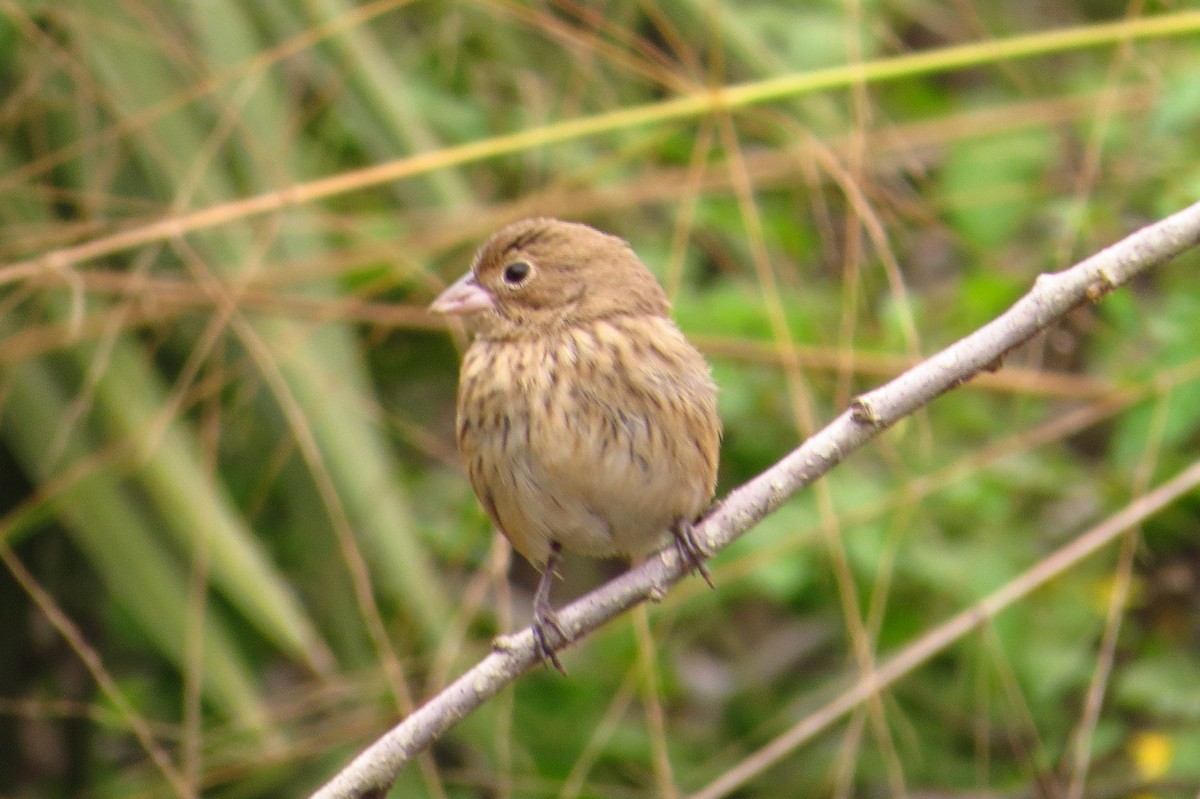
{"x":516,"y":272}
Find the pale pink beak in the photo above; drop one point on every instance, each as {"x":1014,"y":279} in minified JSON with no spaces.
{"x":466,"y":296}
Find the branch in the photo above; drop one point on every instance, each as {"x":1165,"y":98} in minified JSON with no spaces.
{"x":1052,"y":297}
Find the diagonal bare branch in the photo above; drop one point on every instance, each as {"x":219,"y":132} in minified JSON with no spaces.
{"x":1053,"y":295}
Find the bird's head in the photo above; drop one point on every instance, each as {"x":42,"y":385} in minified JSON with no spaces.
{"x":538,"y":275}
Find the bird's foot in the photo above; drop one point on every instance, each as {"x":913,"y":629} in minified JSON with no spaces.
{"x":545,"y":619}
{"x":689,"y":549}
{"x":545,"y":625}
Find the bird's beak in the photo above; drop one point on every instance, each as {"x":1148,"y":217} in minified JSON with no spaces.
{"x":466,"y":296}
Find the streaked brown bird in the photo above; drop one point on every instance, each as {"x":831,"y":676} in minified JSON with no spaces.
{"x":585,"y":418}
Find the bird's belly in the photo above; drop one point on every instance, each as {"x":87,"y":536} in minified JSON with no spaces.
{"x":620,"y":482}
{"x":599,"y":485}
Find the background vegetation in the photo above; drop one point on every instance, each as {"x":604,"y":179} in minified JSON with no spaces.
{"x":236,"y":541}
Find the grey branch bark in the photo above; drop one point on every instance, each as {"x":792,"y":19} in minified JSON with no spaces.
{"x":1053,"y":295}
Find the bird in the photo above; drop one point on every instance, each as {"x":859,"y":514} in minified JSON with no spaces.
{"x":585,"y":419}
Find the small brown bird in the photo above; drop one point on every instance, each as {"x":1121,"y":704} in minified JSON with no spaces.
{"x":585,"y":418}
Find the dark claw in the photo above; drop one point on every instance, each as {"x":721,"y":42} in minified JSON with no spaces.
{"x":544,"y":617}
{"x":545,"y":651}
{"x":689,"y":550}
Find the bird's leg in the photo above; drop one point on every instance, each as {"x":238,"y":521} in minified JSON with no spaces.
{"x":544,"y":617}
{"x":689,"y":550}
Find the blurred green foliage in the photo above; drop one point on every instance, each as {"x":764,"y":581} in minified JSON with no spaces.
{"x":227,"y":451}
